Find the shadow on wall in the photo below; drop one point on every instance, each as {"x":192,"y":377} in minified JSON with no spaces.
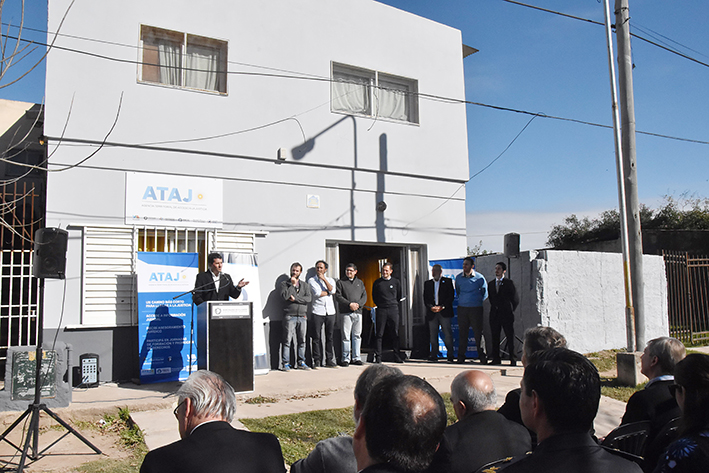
{"x":275,"y":305}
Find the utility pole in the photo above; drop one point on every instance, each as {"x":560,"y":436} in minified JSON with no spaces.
{"x":630,"y":174}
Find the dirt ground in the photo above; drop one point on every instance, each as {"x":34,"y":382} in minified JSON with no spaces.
{"x":68,"y":452}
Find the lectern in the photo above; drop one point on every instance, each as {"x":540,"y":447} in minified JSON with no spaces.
{"x":225,"y":342}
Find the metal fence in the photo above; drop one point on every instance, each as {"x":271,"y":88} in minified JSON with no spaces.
{"x":688,"y":295}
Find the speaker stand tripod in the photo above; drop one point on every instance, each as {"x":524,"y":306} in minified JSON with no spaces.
{"x":31,"y":445}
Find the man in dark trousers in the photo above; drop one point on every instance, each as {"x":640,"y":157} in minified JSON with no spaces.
{"x":481,"y":435}
{"x":386,"y":293}
{"x":561,"y":391}
{"x":504,"y":299}
{"x":438,"y":295}
{"x":213,"y":285}
{"x":351,"y":297}
{"x":205,"y":409}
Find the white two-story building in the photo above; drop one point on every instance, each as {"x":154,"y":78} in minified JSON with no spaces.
{"x":326,"y":129}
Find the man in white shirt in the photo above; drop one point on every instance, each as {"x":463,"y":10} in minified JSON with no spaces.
{"x":323,"y":287}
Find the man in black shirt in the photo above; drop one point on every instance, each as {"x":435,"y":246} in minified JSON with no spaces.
{"x":386,"y":293}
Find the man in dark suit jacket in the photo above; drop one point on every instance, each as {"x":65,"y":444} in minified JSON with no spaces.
{"x":655,"y":403}
{"x":561,"y":391}
{"x":206,"y":406}
{"x":481,"y":435}
{"x":206,"y":283}
{"x":438,"y":295}
{"x":503,"y":298}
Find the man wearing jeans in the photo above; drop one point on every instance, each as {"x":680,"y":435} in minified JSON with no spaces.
{"x":295,"y":322}
{"x":351,"y":296}
{"x":323,"y":287}
{"x":471,"y":288}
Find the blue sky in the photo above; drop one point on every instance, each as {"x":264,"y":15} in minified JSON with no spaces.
{"x":538,"y":62}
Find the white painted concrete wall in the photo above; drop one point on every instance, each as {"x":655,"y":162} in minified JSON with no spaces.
{"x":581,"y":295}
{"x":285,"y":37}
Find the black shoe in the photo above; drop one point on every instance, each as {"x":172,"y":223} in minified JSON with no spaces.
{"x":513,"y":362}
{"x":496,"y":361}
{"x":357,"y":362}
{"x":460,"y":361}
{"x":345,"y":364}
{"x":331,"y":364}
{"x":483,"y":361}
{"x":433,"y":358}
{"x":451,"y":360}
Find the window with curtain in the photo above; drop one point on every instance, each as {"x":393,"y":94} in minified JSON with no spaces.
{"x":374,"y":94}
{"x":183,"y":60}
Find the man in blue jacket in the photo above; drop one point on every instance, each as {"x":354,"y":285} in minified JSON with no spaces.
{"x":471,"y":288}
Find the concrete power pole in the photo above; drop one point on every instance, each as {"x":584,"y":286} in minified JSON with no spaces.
{"x":630,"y":174}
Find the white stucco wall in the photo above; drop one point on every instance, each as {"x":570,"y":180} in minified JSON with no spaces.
{"x":581,"y":295}
{"x":282,"y":37}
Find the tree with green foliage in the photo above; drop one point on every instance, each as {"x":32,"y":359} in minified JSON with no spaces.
{"x":687,"y":212}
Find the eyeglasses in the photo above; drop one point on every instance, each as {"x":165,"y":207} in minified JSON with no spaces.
{"x":178,"y":407}
{"x":673,"y":388}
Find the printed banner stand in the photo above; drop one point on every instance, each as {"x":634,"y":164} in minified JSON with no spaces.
{"x":451,"y":268}
{"x":245,"y":265}
{"x":164,"y":323}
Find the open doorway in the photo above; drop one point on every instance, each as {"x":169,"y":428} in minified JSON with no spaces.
{"x":409,"y":267}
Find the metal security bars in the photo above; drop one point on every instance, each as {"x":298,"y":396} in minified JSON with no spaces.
{"x":688,"y":295}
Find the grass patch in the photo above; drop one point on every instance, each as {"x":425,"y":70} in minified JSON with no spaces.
{"x":299,"y":433}
{"x":611,"y":388}
{"x":131,"y":437}
{"x":604,"y":360}
{"x":261,"y":400}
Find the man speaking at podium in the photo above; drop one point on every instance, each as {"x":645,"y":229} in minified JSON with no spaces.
{"x":213,"y":285}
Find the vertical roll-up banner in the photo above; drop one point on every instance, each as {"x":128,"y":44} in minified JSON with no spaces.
{"x":163,"y":322}
{"x":245,"y":265}
{"x":450,"y":269}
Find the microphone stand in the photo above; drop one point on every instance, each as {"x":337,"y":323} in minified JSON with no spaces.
{"x":192,"y":291}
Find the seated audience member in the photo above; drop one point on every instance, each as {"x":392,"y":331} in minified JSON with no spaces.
{"x":690,"y":453}
{"x":206,"y":406}
{"x":535,"y":339}
{"x":481,"y":435}
{"x":400,"y":427}
{"x":561,"y":391}
{"x":655,"y":403}
{"x":335,"y":455}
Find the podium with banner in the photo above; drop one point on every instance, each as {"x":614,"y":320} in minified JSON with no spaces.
{"x":225,"y":341}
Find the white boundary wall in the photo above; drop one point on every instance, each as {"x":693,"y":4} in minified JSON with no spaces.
{"x":581,"y":295}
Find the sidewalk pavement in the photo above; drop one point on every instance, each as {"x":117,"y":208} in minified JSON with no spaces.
{"x":329,"y":388}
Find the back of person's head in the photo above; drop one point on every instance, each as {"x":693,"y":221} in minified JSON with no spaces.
{"x":210,"y":395}
{"x":475,"y":392}
{"x":541,"y":338}
{"x":568,"y":386}
{"x":669,"y":351}
{"x":692,"y":374}
{"x":371,"y":376}
{"x":404,"y":419}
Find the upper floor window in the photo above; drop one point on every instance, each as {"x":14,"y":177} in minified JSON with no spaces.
{"x":183,"y":60}
{"x":372,"y":93}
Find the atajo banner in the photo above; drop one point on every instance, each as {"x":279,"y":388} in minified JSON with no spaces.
{"x":451,"y":268}
{"x":159,"y":199}
{"x":163,"y":322}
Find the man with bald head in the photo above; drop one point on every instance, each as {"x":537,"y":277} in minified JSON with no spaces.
{"x":481,"y":435}
{"x":400,"y":427}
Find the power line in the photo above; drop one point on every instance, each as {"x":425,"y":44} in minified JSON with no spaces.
{"x":566,"y":15}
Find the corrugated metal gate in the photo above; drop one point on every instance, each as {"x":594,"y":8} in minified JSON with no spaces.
{"x":688,"y":295}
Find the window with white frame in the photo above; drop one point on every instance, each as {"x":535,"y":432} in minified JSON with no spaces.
{"x":183,"y":60}
{"x":371,"y":93}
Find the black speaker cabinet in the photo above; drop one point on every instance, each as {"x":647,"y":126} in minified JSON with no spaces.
{"x":49,"y":256}
{"x":512,"y":245}
{"x":225,"y":342}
